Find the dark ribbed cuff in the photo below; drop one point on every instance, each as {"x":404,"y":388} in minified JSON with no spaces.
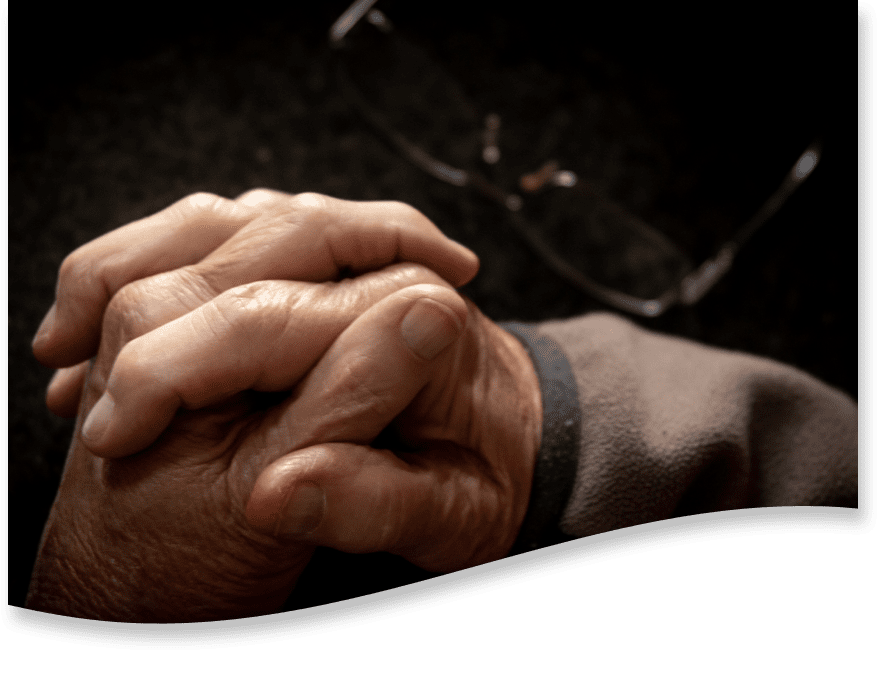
{"x":558,"y":458}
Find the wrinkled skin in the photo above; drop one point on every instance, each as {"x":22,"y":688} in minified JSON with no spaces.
{"x":196,"y":526}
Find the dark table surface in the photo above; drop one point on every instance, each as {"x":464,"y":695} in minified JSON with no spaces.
{"x":111,"y":120}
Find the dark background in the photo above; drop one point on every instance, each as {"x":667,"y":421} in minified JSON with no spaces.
{"x":113,"y":117}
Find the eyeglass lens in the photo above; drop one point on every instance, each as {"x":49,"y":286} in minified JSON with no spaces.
{"x":585,"y":127}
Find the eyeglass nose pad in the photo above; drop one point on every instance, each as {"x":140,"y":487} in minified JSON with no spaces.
{"x":547,"y":174}
{"x":535,"y":181}
{"x":490,"y":150}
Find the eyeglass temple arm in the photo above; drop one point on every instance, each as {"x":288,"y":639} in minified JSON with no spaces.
{"x":701,"y":280}
{"x":436,"y":168}
{"x":348,"y":19}
{"x":648,"y":308}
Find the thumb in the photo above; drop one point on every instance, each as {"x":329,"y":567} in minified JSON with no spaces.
{"x":435,"y":508}
{"x":440,"y":507}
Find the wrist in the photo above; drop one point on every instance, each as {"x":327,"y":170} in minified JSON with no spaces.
{"x":528,"y":393}
{"x":516,"y":392}
{"x":557,"y":460}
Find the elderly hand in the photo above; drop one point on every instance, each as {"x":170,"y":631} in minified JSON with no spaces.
{"x":218,"y":517}
{"x":207,"y":244}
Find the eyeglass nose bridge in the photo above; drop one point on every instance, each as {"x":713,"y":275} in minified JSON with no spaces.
{"x":547,"y":174}
{"x":490,"y":137}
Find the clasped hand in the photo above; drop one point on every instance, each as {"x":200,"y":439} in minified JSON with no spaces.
{"x":271,"y":374}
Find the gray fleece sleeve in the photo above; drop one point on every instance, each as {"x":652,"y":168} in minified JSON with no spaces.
{"x":668,"y":427}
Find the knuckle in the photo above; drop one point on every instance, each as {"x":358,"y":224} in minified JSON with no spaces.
{"x":257,"y":192}
{"x":202,"y":201}
{"x":309,"y":207}
{"x":261,"y":196}
{"x":356,"y":383}
{"x":254,"y":310}
{"x":408,"y":215}
{"x":130,"y":368}
{"x":404,"y":207}
{"x":77,"y":270}
{"x":143,"y":305}
{"x":402,"y":219}
{"x":140,"y":366}
{"x":127,"y":315}
{"x":310,"y":200}
{"x":86,"y":274}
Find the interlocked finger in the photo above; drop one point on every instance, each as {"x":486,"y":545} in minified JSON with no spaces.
{"x":206,"y":244}
{"x":177,"y":236}
{"x":263,"y":336}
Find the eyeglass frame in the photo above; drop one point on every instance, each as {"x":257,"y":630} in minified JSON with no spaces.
{"x":687,"y":291}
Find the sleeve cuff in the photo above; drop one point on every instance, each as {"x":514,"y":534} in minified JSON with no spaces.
{"x":558,"y":458}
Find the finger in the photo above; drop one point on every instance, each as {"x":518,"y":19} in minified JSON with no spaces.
{"x":263,"y":336}
{"x":360,"y":236}
{"x":65,"y":390}
{"x":434,"y":508}
{"x":373,"y":371}
{"x":302,"y":237}
{"x":358,"y":499}
{"x":319,"y":238}
{"x":180,"y":235}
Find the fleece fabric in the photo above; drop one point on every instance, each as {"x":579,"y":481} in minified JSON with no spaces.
{"x":670,"y":427}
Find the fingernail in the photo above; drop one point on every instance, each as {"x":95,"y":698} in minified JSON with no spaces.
{"x":46,"y":327}
{"x":303,"y":512}
{"x":99,"y":419}
{"x":429,"y":327}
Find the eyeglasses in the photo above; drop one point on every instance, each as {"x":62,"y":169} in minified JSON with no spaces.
{"x":419,"y":102}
